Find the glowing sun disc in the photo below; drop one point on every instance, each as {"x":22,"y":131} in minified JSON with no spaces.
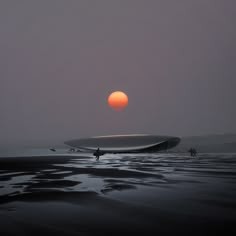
{"x":118,"y":100}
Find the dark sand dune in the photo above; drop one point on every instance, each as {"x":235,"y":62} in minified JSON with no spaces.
{"x":148,"y":193}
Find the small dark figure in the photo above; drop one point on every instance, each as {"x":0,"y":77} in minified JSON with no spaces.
{"x":97,"y":154}
{"x":193,"y":152}
{"x":52,"y":149}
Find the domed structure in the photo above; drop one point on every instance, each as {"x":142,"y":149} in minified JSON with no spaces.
{"x":125,"y":143}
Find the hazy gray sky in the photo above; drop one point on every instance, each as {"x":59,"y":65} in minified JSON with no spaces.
{"x":59,"y":61}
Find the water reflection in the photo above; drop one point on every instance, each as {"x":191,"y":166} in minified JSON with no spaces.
{"x":174,"y":184}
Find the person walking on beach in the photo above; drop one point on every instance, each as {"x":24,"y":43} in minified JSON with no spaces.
{"x":193,"y":152}
{"x":97,"y":154}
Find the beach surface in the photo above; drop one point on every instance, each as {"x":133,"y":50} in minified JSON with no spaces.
{"x":73,"y":194}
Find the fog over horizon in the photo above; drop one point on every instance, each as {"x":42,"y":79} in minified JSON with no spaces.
{"x":60,"y":60}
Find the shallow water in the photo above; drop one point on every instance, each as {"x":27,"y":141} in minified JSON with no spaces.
{"x":75,"y":194}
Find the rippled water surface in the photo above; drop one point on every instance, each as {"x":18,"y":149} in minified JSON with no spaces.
{"x":75,"y":194}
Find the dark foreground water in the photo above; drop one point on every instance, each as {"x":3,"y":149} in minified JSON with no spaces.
{"x":73,"y":194}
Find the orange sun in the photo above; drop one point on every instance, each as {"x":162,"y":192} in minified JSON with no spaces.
{"x":118,"y":100}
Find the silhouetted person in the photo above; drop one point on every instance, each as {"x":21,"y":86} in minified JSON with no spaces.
{"x":193,"y":152}
{"x":97,"y":154}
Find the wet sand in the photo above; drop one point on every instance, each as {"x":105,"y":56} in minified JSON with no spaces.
{"x":125,"y":193}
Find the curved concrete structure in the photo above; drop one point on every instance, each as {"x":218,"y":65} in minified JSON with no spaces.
{"x":125,"y":143}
